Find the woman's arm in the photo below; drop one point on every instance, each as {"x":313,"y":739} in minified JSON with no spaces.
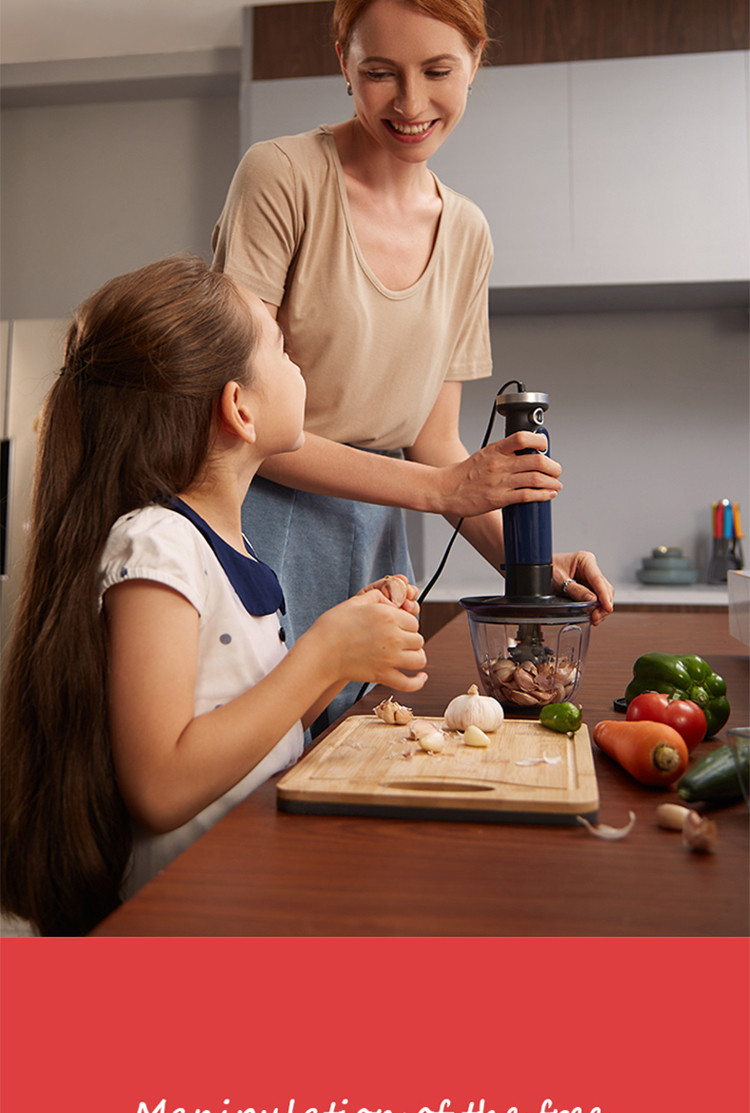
{"x":435,"y":482}
{"x":439,"y":476}
{"x":170,"y":763}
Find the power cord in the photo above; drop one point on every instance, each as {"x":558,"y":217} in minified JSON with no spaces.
{"x":457,"y":528}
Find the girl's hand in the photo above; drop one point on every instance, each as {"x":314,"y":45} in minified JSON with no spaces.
{"x":369,"y":638}
{"x":495,"y":477}
{"x":398,"y":590}
{"x":585,"y":582}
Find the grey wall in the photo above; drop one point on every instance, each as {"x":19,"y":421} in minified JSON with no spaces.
{"x":93,"y":190}
{"x":648,"y":417}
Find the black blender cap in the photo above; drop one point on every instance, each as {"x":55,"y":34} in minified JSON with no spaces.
{"x":553,"y":608}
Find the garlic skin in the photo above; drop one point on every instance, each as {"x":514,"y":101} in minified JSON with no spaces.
{"x":391,"y":712}
{"x":604,"y":831}
{"x":473,"y":710}
{"x":530,"y":685}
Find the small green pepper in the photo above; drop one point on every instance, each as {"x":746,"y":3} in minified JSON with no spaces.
{"x":685,"y":677}
{"x":564,"y":717}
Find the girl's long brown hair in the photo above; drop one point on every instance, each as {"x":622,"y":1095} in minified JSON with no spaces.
{"x":127,"y":422}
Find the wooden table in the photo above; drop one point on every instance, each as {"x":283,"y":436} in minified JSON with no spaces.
{"x":261,"y":872}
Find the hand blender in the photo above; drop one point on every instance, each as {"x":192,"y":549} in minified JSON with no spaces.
{"x":530,"y":644}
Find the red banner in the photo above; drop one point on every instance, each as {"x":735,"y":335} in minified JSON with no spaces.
{"x":365,"y":1026}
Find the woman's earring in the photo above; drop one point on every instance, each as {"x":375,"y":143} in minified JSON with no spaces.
{"x":349,"y":90}
{"x":468,"y":90}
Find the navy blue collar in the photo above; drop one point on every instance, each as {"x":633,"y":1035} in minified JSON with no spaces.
{"x":255,"y":583}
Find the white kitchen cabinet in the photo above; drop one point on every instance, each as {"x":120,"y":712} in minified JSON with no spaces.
{"x":616,"y":172}
{"x":622,"y":171}
{"x":659,"y":165}
{"x":511,"y":155}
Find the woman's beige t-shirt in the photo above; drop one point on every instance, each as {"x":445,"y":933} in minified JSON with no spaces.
{"x":374,"y":359}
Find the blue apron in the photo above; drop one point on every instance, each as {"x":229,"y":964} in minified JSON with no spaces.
{"x":323,"y":550}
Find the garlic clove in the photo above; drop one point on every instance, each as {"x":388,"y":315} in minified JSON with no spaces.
{"x":420,"y":728}
{"x":503,"y":668}
{"x":394,"y":589}
{"x":671,"y":816}
{"x":433,"y":743}
{"x":392,"y":712}
{"x":525,"y":680}
{"x":699,"y":834}
{"x":524,"y":699}
{"x":604,"y":831}
{"x":473,"y":736}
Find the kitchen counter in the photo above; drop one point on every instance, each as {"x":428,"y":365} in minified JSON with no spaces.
{"x":686,"y":595}
{"x":627,"y":594}
{"x":262,"y":872}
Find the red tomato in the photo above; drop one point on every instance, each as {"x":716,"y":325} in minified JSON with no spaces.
{"x":684,"y":716}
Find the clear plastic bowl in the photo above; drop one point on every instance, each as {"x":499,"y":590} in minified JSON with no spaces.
{"x":528,"y":661}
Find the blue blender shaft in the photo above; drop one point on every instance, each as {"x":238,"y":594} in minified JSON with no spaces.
{"x":527,"y":526}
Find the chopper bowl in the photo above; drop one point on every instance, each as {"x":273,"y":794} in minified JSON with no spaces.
{"x":528,"y":657}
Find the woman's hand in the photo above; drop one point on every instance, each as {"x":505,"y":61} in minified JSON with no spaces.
{"x":495,"y":477}
{"x":465,"y":486}
{"x":584,"y":582}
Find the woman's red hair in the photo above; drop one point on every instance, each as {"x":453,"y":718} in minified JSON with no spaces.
{"x":467,"y":16}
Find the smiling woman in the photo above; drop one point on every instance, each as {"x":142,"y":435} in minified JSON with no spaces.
{"x":409,"y":73}
{"x":378,"y":275}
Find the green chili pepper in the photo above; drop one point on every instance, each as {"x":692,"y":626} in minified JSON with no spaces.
{"x":685,"y":677}
{"x":564,"y":717}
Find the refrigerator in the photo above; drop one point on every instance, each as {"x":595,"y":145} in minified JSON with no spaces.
{"x":30,"y":357}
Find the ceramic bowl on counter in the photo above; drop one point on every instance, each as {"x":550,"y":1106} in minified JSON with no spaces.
{"x":666,"y":565}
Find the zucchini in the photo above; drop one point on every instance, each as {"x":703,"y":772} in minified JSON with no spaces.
{"x":716,"y":777}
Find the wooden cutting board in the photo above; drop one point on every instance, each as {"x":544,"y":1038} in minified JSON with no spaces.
{"x":528,"y":774}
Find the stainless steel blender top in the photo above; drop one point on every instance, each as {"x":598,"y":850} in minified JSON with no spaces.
{"x":530,"y":644}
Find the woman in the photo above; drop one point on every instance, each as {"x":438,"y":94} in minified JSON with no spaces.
{"x":378,"y":274}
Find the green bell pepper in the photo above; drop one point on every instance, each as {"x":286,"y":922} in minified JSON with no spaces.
{"x":685,"y":677}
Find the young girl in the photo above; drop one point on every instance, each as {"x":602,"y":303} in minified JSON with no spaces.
{"x":147,"y":687}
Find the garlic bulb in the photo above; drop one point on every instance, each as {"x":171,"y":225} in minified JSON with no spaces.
{"x":474,"y":710}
